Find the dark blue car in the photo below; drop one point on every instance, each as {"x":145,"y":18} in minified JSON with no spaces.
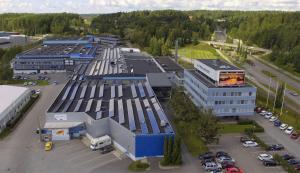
{"x":293,"y":162}
{"x":277,"y":123}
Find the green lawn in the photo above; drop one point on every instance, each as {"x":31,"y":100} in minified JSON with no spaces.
{"x":200,"y":51}
{"x":233,"y":128}
{"x":185,"y":64}
{"x":39,"y":82}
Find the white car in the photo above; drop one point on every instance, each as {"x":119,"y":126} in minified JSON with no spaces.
{"x":273,"y":118}
{"x":289,"y":130}
{"x":38,"y":91}
{"x":212,"y":166}
{"x":263,"y":113}
{"x":250,"y":144}
{"x":283,"y":126}
{"x":265,"y":157}
{"x":268,"y":115}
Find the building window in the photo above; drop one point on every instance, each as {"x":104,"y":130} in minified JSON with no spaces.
{"x":239,"y":93}
{"x":224,"y":93}
{"x":242,"y":102}
{"x":232,"y":93}
{"x":231,"y":102}
{"x":250,"y":93}
{"x":216,"y":102}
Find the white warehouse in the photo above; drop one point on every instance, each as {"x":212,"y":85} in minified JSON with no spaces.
{"x":11,"y":101}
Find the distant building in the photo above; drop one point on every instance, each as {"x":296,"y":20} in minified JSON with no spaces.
{"x":221,"y":87}
{"x":12,"y":100}
{"x":56,"y":55}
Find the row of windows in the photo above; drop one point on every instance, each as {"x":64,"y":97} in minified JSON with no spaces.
{"x":233,"y":94}
{"x":240,"y":102}
{"x":233,"y":110}
{"x":41,"y":62}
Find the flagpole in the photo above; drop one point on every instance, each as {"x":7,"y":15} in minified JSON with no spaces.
{"x":282,"y":100}
{"x":275,"y":97}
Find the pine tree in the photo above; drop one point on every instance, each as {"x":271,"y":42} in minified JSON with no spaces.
{"x":170,"y":149}
{"x":166,"y":145}
{"x":176,"y":154}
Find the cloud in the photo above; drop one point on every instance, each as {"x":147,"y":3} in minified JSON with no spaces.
{"x":107,"y":6}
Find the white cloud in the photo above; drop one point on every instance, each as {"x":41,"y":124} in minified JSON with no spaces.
{"x":107,"y":6}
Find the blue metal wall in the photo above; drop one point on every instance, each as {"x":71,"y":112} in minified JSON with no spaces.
{"x":150,"y":145}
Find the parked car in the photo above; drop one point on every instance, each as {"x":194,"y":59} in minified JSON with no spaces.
{"x":207,"y":155}
{"x":293,"y":162}
{"x":234,"y":170}
{"x":270,"y":163}
{"x":276,"y":147}
{"x":264,"y":156}
{"x":48,"y":146}
{"x":106,"y":149}
{"x":211,"y":166}
{"x":221,"y":153}
{"x":227,"y":165}
{"x":297,"y":167}
{"x":289,"y":130}
{"x":222,"y":159}
{"x":283,"y":126}
{"x":263,"y":113}
{"x":38,"y":91}
{"x":245,"y":138}
{"x":25,"y":84}
{"x":295,"y":135}
{"x":216,"y":171}
{"x":287,"y":157}
{"x":207,"y":160}
{"x":250,"y":144}
{"x":268,"y":115}
{"x":273,"y":118}
{"x":277,"y":123}
{"x":258,"y":109}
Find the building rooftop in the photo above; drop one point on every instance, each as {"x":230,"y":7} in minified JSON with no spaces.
{"x":113,"y":61}
{"x":9,"y":95}
{"x":218,"y":64}
{"x":130,"y":103}
{"x":169,"y":65}
{"x":61,"y":50}
{"x":158,"y":80}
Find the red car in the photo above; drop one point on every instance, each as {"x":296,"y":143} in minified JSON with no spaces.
{"x":295,"y":135}
{"x":234,"y":170}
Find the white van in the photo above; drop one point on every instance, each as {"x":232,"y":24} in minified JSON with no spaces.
{"x":97,"y":143}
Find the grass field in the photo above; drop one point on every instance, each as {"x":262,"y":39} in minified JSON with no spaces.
{"x":233,"y":128}
{"x":200,"y":51}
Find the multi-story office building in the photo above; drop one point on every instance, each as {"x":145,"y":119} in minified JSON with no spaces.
{"x":221,"y":87}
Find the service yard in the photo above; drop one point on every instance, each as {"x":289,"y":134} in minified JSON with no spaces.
{"x":246,"y":158}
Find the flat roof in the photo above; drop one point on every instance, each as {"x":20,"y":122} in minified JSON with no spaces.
{"x":60,"y":50}
{"x":9,"y":95}
{"x":114,"y":61}
{"x":130,"y":103}
{"x":218,"y":64}
{"x":208,"y":82}
{"x":168,"y":64}
{"x":158,"y":80}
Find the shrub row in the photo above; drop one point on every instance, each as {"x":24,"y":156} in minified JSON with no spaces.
{"x":256,"y":127}
{"x":284,"y":164}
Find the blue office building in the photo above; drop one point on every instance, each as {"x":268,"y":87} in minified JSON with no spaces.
{"x":221,"y":87}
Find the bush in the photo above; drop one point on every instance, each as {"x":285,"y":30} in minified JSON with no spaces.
{"x":255,"y":129}
{"x":284,"y":164}
{"x":138,"y":166}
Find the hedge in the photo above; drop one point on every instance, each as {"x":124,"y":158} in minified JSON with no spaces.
{"x":138,"y":166}
{"x":285,"y":165}
{"x":256,"y":127}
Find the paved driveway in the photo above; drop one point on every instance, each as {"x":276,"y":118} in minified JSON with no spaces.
{"x":246,"y":158}
{"x":290,"y":145}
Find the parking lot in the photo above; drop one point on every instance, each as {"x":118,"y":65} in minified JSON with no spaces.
{"x":246,"y":158}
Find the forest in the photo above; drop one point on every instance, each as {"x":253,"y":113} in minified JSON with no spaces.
{"x":158,"y":30}
{"x":32,"y":24}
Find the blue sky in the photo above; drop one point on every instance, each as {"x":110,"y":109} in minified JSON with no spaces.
{"x":107,"y":6}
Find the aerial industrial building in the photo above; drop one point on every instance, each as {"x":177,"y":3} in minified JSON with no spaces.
{"x":12,"y":100}
{"x":112,"y":97}
{"x":56,"y":55}
{"x":221,"y":87}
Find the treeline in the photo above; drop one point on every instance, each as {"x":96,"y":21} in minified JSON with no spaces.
{"x":6,"y":55}
{"x":279,"y":31}
{"x":155,"y":30}
{"x":31,"y":24}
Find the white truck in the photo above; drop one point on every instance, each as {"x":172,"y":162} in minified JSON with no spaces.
{"x":100,"y":142}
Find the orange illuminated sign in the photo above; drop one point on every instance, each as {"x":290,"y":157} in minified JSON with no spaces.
{"x":231,"y":79}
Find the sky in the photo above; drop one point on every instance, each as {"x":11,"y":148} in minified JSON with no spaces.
{"x":109,"y":6}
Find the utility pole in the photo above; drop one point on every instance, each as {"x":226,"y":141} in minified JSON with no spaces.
{"x":275,"y":96}
{"x":269,"y":92}
{"x":282,"y":100}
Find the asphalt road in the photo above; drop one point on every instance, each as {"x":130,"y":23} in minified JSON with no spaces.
{"x":292,"y":146}
{"x":256,"y":72}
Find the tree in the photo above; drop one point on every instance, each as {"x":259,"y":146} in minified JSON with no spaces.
{"x":279,"y":96}
{"x":176,"y":154}
{"x":208,"y":128}
{"x":166,"y":159}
